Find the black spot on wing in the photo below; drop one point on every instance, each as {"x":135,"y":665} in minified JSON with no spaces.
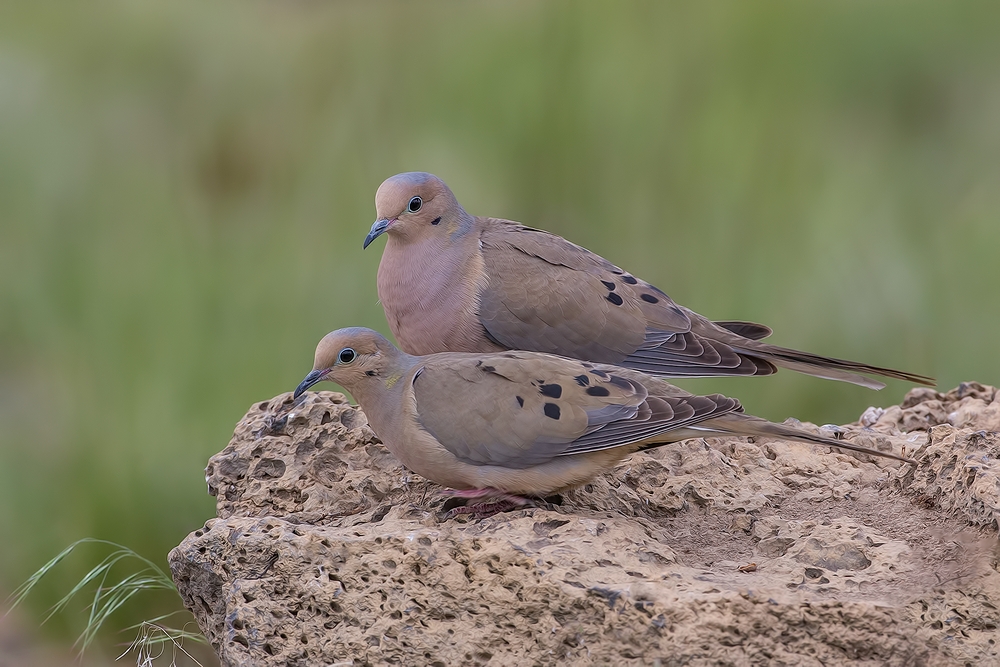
{"x":551,"y":410}
{"x":657,"y":290}
{"x":615,"y":299}
{"x":489,"y":369}
{"x":520,"y":401}
{"x":598,"y":390}
{"x":610,"y":285}
{"x":599,"y":373}
{"x":649,"y":298}
{"x":630,"y":280}
{"x":551,"y":390}
{"x":582,"y":380}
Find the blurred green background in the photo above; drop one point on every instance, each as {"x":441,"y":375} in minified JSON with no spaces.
{"x":184,"y":189}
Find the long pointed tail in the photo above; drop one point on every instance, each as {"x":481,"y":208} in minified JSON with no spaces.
{"x":742,"y":424}
{"x":828,"y":367}
{"x":744,"y":338}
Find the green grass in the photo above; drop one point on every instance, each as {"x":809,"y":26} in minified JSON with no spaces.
{"x":114,"y":585}
{"x":184,"y":188}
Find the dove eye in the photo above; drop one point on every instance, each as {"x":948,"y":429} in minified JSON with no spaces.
{"x":414,"y":205}
{"x":347,"y":355}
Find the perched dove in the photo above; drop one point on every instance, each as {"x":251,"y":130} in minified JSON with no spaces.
{"x":503,"y":425}
{"x":451,"y":282}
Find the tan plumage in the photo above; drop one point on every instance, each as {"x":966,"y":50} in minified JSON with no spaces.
{"x":522,"y":423}
{"x":451,"y":282}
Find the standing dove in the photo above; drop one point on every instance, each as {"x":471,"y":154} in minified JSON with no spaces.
{"x":503,"y":425}
{"x":452,"y":282}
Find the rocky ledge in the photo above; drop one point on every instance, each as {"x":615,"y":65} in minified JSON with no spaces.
{"x":719,"y":551}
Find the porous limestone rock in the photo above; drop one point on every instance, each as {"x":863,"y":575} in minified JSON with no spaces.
{"x":326,"y":551}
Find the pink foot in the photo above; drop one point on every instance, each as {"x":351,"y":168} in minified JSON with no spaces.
{"x":494,"y":502}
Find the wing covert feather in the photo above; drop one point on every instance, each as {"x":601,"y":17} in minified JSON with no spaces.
{"x":515,"y":410}
{"x":550,"y":295}
{"x":519,"y":409}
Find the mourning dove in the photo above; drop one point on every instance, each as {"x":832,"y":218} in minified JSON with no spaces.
{"x":451,"y":282}
{"x":504,"y":425}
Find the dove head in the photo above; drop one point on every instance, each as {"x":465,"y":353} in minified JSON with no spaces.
{"x":415,"y":206}
{"x":357,"y":359}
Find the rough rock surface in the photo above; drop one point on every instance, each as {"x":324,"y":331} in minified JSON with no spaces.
{"x":327,"y":552}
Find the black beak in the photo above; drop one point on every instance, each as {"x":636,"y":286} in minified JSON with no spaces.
{"x":311,"y":379}
{"x":377,"y":230}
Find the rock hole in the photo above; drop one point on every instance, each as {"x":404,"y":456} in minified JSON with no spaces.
{"x":326,"y":418}
{"x":204,"y":605}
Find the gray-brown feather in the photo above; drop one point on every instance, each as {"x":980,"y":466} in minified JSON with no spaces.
{"x":478,"y":284}
{"x":520,"y":410}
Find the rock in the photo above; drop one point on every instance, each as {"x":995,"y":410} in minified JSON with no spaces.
{"x":959,"y":473}
{"x":834,"y":557}
{"x":720,"y":551}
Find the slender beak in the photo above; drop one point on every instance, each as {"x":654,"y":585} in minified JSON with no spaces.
{"x":377,"y":230}
{"x":311,"y":379}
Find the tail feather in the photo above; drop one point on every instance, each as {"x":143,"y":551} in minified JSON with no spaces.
{"x":742,"y":424}
{"x":750,"y":330}
{"x":830,"y":368}
{"x":744,"y":338}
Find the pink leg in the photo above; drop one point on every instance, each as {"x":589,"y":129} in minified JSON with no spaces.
{"x":494,"y":501}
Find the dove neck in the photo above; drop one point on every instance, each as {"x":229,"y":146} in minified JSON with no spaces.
{"x":429,"y":289}
{"x":390,"y":379}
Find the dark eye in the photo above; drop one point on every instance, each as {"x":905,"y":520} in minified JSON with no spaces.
{"x":347,"y":355}
{"x":414,"y":205}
